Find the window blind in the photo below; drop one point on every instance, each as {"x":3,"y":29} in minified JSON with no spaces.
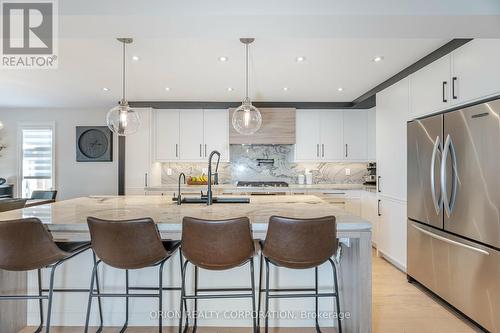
{"x":37,"y":153}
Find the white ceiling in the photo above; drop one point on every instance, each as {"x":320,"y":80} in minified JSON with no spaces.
{"x":179,"y":43}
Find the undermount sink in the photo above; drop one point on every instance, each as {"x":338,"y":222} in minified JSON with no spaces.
{"x":199,"y":200}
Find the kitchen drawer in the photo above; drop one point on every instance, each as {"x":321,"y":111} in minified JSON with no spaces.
{"x":463,"y":273}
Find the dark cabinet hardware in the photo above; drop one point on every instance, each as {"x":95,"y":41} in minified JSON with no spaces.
{"x":323,"y":150}
{"x":317,"y":150}
{"x":453,"y":81}
{"x":146,"y":179}
{"x":176,"y":150}
{"x":346,"y":150}
{"x":378,"y":207}
{"x":444,"y":92}
{"x":378,"y":183}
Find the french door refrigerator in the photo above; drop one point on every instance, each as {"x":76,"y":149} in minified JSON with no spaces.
{"x":454,"y":209}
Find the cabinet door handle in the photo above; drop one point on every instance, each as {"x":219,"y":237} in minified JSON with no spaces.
{"x":378,"y":207}
{"x":346,"y":150}
{"x":378,"y":184}
{"x":205,"y":150}
{"x":176,"y":150}
{"x":444,"y":92}
{"x":146,"y":179}
{"x":200,"y":149}
{"x":453,"y":81}
{"x":322,"y":150}
{"x":317,"y":150}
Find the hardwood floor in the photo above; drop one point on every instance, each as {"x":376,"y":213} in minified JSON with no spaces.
{"x":398,"y":307}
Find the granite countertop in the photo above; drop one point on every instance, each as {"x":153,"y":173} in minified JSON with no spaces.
{"x":290,"y":188}
{"x":70,"y":215}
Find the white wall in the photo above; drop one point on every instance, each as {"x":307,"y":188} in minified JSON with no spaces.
{"x":72,"y":179}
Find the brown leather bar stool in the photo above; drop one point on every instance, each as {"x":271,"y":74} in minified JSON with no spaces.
{"x":11,"y":204}
{"x":300,"y":244}
{"x":26,"y":245}
{"x":129,"y":244}
{"x":216,"y":245}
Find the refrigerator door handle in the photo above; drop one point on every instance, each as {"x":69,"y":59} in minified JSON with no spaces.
{"x":449,"y":203}
{"x":436,"y":202}
{"x":449,"y":241}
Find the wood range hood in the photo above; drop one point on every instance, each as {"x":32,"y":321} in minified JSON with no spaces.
{"x":278,"y":128}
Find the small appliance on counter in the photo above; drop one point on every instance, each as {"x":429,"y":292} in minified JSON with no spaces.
{"x":371,"y":177}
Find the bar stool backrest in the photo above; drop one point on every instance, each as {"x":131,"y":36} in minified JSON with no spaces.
{"x":11,"y":204}
{"x":45,"y":194}
{"x":217,"y":244}
{"x":25,"y":244}
{"x":126,"y":244}
{"x":300,"y":243}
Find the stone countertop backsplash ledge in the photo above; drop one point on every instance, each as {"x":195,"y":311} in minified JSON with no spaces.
{"x":244,"y":167}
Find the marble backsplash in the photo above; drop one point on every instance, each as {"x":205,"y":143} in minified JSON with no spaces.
{"x":244,"y":165}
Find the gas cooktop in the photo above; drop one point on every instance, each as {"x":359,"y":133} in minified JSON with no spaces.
{"x":262,"y":184}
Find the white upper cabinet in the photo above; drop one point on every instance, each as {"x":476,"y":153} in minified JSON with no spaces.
{"x":166,"y":135}
{"x":476,"y":70}
{"x":216,"y":133}
{"x":137,"y":155}
{"x":332,"y":135}
{"x":371,"y":134}
{"x":392,"y":113}
{"x":331,"y":130}
{"x":307,"y":135}
{"x":191,"y":135}
{"x":467,"y":74}
{"x":355,"y":135}
{"x":430,"y":88}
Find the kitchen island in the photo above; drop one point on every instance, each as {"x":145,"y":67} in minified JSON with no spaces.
{"x":67,"y":221}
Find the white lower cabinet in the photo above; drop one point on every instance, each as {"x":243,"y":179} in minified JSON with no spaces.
{"x":391,"y":233}
{"x":353,"y":202}
{"x":369,"y":212}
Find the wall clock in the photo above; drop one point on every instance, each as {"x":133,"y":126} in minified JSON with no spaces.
{"x":94,"y":144}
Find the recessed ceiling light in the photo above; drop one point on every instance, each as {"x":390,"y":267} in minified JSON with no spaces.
{"x":378,"y":58}
{"x":223,"y":59}
{"x":285,"y":88}
{"x":167,"y":89}
{"x":300,"y":59}
{"x":340,"y":89}
{"x":105,"y":89}
{"x":136,"y":58}
{"x":230,"y":89}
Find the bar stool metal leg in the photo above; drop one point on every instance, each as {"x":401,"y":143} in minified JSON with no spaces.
{"x":318,"y":330}
{"x":51,"y":294}
{"x":160,"y":298}
{"x":195,"y":325}
{"x":99,"y":303}
{"x":254,"y":314}
{"x":183,"y":294}
{"x":261,"y":268}
{"x":126,"y":302}
{"x":40,"y":301}
{"x":89,"y":304}
{"x":337,"y":298}
{"x":266,"y":314}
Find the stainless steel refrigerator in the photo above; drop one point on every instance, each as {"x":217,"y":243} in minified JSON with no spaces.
{"x":454,"y":209}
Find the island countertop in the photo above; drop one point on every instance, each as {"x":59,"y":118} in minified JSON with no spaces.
{"x":71,"y":215}
{"x":67,"y":220}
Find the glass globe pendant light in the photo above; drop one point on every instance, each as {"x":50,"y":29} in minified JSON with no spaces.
{"x":122,"y":119}
{"x":247,"y":118}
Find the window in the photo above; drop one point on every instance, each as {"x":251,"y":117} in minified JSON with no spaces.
{"x":37,"y":159}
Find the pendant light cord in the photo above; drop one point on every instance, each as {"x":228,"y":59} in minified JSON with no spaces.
{"x":123,"y":78}
{"x":247,"y":72}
